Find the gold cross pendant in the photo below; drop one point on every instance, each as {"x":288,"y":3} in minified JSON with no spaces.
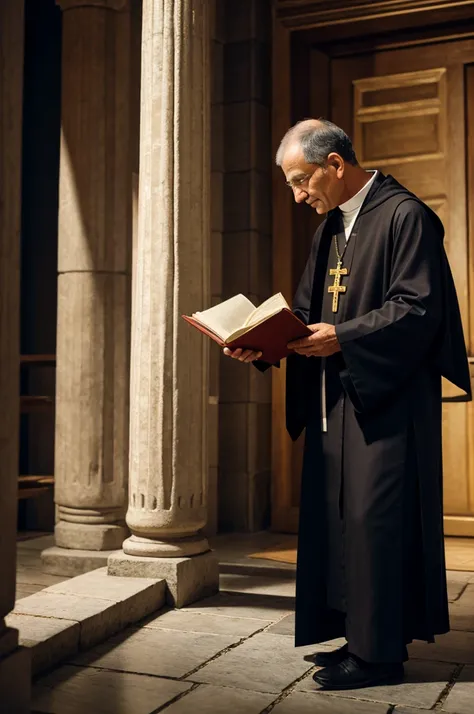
{"x":337,"y":288}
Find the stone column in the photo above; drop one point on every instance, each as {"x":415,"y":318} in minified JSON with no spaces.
{"x":94,"y":258}
{"x":14,"y":661}
{"x":169,"y":376}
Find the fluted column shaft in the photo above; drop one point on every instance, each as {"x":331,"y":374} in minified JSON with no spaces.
{"x":94,"y":256}
{"x":169,"y":382}
{"x":14,"y":663}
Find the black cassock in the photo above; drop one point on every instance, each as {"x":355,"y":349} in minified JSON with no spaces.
{"x":370,"y":550}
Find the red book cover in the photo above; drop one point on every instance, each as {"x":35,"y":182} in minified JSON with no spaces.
{"x":269,"y":337}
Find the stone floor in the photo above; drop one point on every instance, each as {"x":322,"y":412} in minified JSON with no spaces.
{"x":30,"y":578}
{"x":234,"y":654}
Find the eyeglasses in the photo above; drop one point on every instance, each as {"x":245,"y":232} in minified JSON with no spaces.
{"x":298,"y":181}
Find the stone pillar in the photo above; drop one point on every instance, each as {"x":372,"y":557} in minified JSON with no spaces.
{"x":14,"y":661}
{"x":94,"y":258}
{"x":169,"y":375}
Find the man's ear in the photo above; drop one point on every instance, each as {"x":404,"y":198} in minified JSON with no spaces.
{"x":336,"y":162}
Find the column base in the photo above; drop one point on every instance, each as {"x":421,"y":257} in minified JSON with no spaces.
{"x":15,"y":682}
{"x":177,"y":548}
{"x":88,"y":536}
{"x":187,"y":579}
{"x":71,"y":562}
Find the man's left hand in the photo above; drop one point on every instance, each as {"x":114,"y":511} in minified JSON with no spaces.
{"x":322,"y":343}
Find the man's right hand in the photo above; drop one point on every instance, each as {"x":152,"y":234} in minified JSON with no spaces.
{"x":242,"y":355}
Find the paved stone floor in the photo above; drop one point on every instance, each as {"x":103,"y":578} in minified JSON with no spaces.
{"x":29,"y":575}
{"x":234,"y":654}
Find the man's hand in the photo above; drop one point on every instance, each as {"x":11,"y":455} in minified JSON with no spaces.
{"x":242,"y":355}
{"x":322,"y":343}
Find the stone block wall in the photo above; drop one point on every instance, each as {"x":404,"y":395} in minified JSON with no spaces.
{"x":241,"y":257}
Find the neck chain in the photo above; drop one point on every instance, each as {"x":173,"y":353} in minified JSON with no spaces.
{"x":336,"y":245}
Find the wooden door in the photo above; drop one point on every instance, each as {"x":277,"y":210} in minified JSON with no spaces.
{"x":411,"y":114}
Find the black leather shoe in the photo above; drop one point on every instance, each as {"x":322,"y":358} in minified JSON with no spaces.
{"x":353,"y":673}
{"x":328,"y":659}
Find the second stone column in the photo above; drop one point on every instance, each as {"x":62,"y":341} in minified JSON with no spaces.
{"x":94,"y":260}
{"x":169,"y":375}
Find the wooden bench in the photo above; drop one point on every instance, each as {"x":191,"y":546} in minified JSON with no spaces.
{"x":32,"y":486}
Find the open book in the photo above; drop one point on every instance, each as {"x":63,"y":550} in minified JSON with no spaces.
{"x":238,"y":323}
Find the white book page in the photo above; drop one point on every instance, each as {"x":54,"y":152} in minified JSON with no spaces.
{"x":228,"y":316}
{"x":266,"y":309}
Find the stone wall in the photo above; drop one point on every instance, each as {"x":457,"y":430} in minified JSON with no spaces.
{"x":217,"y":31}
{"x":240,"y":403}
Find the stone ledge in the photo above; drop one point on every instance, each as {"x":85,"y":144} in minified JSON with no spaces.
{"x":187,"y":579}
{"x":50,"y":639}
{"x":63,"y":561}
{"x":79,"y":613}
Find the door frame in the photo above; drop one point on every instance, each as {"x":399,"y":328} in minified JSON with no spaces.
{"x":305,"y":24}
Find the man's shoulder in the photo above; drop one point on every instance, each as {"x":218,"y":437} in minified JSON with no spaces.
{"x":409,"y":203}
{"x":393,"y":196}
{"x":410,"y":207}
{"x":412,"y":213}
{"x":403,"y":205}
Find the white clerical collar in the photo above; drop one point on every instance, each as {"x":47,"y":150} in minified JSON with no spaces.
{"x":356,"y":201}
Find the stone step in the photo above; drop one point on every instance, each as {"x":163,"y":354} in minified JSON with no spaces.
{"x":78,"y":613}
{"x":266,"y":568}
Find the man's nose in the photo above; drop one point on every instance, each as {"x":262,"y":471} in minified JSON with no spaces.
{"x":299,"y":194}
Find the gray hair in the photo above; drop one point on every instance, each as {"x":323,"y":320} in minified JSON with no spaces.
{"x":317,"y":141}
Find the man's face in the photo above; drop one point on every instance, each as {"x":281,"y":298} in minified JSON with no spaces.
{"x":320,"y":187}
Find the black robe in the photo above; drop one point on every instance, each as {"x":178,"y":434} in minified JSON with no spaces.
{"x":370,"y":550}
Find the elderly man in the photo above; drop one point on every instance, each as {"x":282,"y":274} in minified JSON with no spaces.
{"x":378,"y":295}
